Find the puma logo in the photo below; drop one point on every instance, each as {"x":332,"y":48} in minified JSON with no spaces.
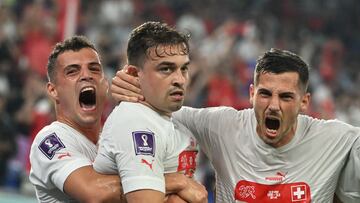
{"x":62,"y":155}
{"x":281,"y":174}
{"x":147,"y":163}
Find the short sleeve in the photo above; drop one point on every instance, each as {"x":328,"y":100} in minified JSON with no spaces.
{"x":136,"y":147}
{"x":53,"y":158}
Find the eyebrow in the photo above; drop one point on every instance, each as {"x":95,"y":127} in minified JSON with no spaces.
{"x":264,"y":90}
{"x":167,"y":63}
{"x":281,"y":93}
{"x":71,"y":66}
{"x":186,"y":64}
{"x":94,"y":63}
{"x":77,"y":65}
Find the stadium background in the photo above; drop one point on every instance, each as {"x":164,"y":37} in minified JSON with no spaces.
{"x":227,"y":37}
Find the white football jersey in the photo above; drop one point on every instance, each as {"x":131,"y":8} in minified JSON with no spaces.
{"x":57,"y":151}
{"x":141,"y":146}
{"x":248,"y":170}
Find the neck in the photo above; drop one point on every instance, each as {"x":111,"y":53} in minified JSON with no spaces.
{"x":162,"y":113}
{"x":289,"y":135}
{"x":91,"y":132}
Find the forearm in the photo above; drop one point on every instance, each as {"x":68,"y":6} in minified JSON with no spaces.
{"x":86,"y":185}
{"x":107,"y":190}
{"x":145,"y":196}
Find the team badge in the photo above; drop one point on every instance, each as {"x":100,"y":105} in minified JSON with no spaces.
{"x":144,"y":143}
{"x":50,"y":145}
{"x":187,"y":162}
{"x":252,"y":192}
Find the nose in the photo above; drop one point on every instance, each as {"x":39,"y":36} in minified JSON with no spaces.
{"x":86,"y":74}
{"x":274,"y":104}
{"x":180,"y":78}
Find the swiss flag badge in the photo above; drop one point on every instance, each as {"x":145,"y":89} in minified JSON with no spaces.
{"x":298,"y":193}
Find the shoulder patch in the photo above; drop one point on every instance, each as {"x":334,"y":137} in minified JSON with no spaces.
{"x":50,"y":145}
{"x":144,"y":143}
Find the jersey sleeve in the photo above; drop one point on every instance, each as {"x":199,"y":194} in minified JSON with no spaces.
{"x":348,"y":188}
{"x":53,"y":158}
{"x":206,"y":125}
{"x":135,"y":148}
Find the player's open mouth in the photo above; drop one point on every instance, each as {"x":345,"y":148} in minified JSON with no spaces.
{"x":272,"y":125}
{"x":87,"y":98}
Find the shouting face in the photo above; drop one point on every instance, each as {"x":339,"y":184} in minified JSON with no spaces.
{"x":277,"y":100}
{"x":79,"y":88}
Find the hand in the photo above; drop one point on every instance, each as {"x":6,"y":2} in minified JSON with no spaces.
{"x":174,"y":198}
{"x":194,"y":192}
{"x":186,"y":188}
{"x":125,"y":85}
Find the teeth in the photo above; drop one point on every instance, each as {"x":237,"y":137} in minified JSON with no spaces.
{"x":87,"y":89}
{"x":271,"y":131}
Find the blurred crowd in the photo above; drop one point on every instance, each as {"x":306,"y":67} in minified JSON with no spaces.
{"x":227,"y":36}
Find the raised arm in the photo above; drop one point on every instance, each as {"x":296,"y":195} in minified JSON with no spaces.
{"x":86,"y":185}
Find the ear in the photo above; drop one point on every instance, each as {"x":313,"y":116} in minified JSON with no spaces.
{"x":131,"y":70}
{"x":305,"y":101}
{"x":251,"y":93}
{"x":106,"y":85}
{"x":51,"y":91}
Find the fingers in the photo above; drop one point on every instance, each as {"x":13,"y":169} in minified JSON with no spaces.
{"x":125,"y":87}
{"x":126,"y":81}
{"x":124,"y":90}
{"x":175,"y":182}
{"x":120,"y":98}
{"x":129,"y":74}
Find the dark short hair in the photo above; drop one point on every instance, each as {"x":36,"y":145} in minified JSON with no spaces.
{"x":74,"y":43}
{"x":154,"y":34}
{"x":280,"y":61}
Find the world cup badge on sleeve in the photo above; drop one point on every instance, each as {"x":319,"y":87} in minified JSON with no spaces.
{"x":144,"y":143}
{"x":50,"y":145}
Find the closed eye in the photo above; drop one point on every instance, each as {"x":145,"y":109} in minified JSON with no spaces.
{"x":95,"y":67}
{"x":71,"y":70}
